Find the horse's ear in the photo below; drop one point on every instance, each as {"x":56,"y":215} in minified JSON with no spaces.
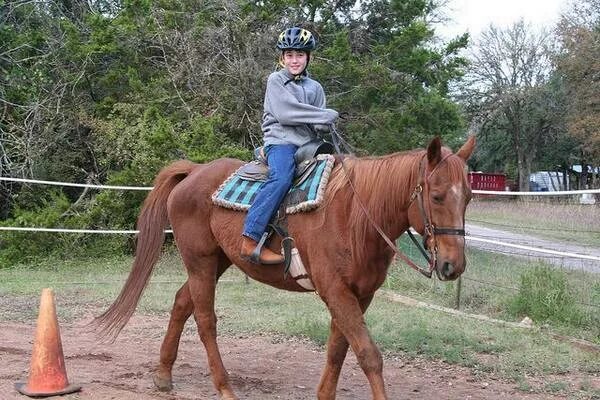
{"x":467,"y":149}
{"x":434,"y":151}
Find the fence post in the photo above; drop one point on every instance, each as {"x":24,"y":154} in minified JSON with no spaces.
{"x":457,"y":293}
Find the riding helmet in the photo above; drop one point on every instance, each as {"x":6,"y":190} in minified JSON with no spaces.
{"x":296,"y":39}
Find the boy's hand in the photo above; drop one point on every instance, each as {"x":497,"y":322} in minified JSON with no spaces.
{"x":322,"y":128}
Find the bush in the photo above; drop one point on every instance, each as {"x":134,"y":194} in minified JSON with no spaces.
{"x":544,"y":295}
{"x":53,"y":210}
{"x":22,"y":246}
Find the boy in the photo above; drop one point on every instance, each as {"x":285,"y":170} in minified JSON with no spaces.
{"x":294,"y":108}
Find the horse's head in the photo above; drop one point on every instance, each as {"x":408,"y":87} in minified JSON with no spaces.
{"x":439,"y":203}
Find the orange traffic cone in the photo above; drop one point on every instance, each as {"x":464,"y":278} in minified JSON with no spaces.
{"x":47,"y":373}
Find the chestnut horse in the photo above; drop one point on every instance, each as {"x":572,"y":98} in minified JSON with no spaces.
{"x":345,"y":256}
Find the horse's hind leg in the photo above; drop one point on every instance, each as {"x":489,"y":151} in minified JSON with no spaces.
{"x":337,"y":348}
{"x":183,"y":307}
{"x":202,"y":281}
{"x":181,"y":311}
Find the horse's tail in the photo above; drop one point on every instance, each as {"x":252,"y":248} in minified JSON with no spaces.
{"x":151,"y":224}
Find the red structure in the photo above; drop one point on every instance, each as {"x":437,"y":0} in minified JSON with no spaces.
{"x":487,"y":181}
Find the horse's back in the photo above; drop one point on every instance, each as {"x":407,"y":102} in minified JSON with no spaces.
{"x":203,"y":180}
{"x":190,"y":205}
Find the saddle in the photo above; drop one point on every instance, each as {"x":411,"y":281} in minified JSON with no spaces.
{"x":314,"y":163}
{"x":305,"y":158}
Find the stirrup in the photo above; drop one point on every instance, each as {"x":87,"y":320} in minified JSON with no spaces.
{"x":255,"y":255}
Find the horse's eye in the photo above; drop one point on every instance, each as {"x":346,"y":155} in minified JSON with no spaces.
{"x":438,"y":198}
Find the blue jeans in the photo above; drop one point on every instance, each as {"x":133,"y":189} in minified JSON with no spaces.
{"x":281,"y":174}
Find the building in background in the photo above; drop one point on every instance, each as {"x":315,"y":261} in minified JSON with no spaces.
{"x":487,"y":181}
{"x":548,"y":181}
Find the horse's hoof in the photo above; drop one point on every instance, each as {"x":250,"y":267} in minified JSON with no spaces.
{"x":162,"y":384}
{"x":228,"y":395}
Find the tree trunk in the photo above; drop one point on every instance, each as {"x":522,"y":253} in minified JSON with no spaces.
{"x":584,"y":174}
{"x":553,"y":179}
{"x":583,"y":183}
{"x":524,"y":168}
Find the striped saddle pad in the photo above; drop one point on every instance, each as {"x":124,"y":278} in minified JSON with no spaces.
{"x":307,"y":192}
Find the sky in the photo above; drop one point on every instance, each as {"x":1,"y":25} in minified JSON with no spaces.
{"x":476,"y":15}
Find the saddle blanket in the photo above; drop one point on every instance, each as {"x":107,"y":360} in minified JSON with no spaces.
{"x":307,"y":191}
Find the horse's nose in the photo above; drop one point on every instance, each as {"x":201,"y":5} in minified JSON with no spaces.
{"x":447,"y":270}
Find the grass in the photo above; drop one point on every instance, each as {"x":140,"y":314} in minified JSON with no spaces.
{"x":493,"y":282}
{"x":525,"y":356}
{"x":82,"y":284}
{"x":569,"y":222}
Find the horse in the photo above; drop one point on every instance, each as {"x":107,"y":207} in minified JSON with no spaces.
{"x":341,"y":244}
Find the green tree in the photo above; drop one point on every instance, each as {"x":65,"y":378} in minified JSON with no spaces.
{"x":579,"y":31}
{"x":385,"y":70}
{"x":509,"y":92}
{"x":111,"y":91}
{"x":39,"y":97}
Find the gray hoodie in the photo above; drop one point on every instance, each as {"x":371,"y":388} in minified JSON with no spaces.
{"x":292,"y":108}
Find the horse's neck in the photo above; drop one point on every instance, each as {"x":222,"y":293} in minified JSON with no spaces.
{"x":385,"y":187}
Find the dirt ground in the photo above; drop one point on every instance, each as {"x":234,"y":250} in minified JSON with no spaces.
{"x":260,"y":368}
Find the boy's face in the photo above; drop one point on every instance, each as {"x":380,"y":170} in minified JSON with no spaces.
{"x":295,"y":61}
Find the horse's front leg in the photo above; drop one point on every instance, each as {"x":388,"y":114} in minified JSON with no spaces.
{"x":347,"y":314}
{"x":181,"y":311}
{"x":337,"y":347}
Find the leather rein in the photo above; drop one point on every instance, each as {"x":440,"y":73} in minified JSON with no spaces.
{"x":430,"y":229}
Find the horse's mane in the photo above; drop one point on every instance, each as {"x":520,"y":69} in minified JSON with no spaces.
{"x":374,"y":179}
{"x":384,"y":185}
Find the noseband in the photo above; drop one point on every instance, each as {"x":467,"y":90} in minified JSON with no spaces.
{"x":430,"y":230}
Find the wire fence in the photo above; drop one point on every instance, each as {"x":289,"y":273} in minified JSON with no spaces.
{"x":496,"y":261}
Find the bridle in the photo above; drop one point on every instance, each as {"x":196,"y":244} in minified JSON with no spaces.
{"x":430,"y":230}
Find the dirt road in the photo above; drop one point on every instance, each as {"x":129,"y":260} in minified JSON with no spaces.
{"x":261,"y":368}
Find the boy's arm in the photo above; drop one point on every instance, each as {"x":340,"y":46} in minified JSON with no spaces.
{"x":320,"y":97}
{"x":320,"y":101}
{"x":289,"y":111}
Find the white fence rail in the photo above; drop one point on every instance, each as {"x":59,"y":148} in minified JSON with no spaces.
{"x":83,"y":185}
{"x":469,"y":237}
{"x":148,"y":188}
{"x":557,"y":193}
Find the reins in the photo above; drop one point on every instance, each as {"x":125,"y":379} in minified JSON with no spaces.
{"x":429,"y":230}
